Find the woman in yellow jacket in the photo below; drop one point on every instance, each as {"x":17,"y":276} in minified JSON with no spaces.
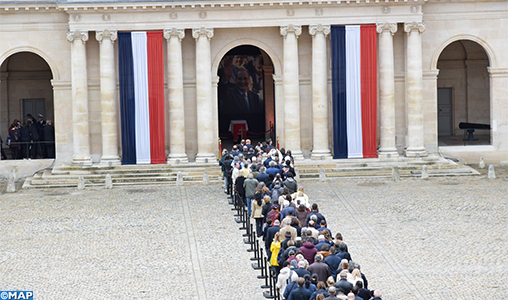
{"x":275,"y":248}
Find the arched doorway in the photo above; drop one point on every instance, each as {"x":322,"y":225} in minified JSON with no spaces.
{"x":463,"y":93}
{"x":25,"y":89}
{"x":245,"y":95}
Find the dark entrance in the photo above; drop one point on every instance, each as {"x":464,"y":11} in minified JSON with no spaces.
{"x":245,"y":95}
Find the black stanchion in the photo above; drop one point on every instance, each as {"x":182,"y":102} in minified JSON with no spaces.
{"x":246,"y":221}
{"x":252,"y":243}
{"x":270,"y":294}
{"x":267,"y":274}
{"x":248,"y":240}
{"x":256,"y":256}
{"x":262,"y":263}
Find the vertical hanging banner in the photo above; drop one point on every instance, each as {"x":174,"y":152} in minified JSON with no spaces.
{"x":354,"y":86}
{"x":141,"y":74}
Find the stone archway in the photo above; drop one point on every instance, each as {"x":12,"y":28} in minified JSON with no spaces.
{"x":256,"y":66}
{"x":463,"y":90}
{"x":25,"y":87}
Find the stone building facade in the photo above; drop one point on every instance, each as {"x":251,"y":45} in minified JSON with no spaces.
{"x":439,"y":63}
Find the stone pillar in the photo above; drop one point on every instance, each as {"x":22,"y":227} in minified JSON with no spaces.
{"x":387,"y":146}
{"x":268,"y":88}
{"x":291,"y":90}
{"x":80,"y":130}
{"x":279,"y":109}
{"x":176,"y":122}
{"x":4,"y":105}
{"x":414,"y":90}
{"x":320,"y":92}
{"x":498,"y":108}
{"x":215,"y":115}
{"x":204,"y":94}
{"x":429,"y":110}
{"x":107,"y":39}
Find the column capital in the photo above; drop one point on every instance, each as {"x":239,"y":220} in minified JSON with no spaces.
{"x":319,"y":28}
{"x":296,"y":29}
{"x":174,"y":32}
{"x":408,"y":27}
{"x":208,"y":32}
{"x":111,"y":34}
{"x":392,"y":27}
{"x":77,"y":34}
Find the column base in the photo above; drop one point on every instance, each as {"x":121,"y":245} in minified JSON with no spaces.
{"x":297,"y":154}
{"x":174,"y":159}
{"x":206,"y":158}
{"x":82,"y":161}
{"x":321,"y":154}
{"x":416,"y":152}
{"x":388,"y":153}
{"x":113,"y":160}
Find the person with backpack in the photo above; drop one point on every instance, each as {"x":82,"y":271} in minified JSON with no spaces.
{"x":286,"y":276}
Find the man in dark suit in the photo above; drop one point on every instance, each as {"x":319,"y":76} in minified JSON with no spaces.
{"x":239,"y":98}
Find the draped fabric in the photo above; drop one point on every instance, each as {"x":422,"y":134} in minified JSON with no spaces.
{"x":141,"y":97}
{"x":369,"y":89}
{"x":127,"y":106}
{"x":156,"y":96}
{"x":354,"y":87}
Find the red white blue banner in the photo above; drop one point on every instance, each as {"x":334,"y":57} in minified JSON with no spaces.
{"x":354,"y":85}
{"x":141,"y":74}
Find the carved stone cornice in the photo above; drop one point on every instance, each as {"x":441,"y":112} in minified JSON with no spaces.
{"x":408,"y":27}
{"x":77,"y":34}
{"x":392,"y":27}
{"x":208,"y":32}
{"x":296,"y":29}
{"x":175,"y":32}
{"x":325,"y":29}
{"x":112,"y":35}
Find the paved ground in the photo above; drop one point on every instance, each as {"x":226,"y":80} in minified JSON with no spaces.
{"x":444,"y":238}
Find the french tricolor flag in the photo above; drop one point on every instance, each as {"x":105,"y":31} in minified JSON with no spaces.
{"x":354,"y":85}
{"x":141,"y":73}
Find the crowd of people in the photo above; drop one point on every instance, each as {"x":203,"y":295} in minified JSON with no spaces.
{"x":31,"y":139}
{"x":310,"y":263}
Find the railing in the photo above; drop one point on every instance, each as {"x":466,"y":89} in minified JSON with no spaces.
{"x":260,"y":262}
{"x":27,"y":150}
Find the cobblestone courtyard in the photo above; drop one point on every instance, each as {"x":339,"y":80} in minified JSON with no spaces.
{"x":443,"y":238}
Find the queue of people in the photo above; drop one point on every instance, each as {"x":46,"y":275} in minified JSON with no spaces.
{"x":309,"y":261}
{"x":31,"y":139}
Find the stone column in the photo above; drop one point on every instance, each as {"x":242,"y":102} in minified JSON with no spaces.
{"x":320,"y":91}
{"x":387,"y":148}
{"x":215,"y":115}
{"x":268,"y":88}
{"x":498,"y":108}
{"x":176,"y":122}
{"x":414,"y":90}
{"x":279,"y":109}
{"x":204,"y":94}
{"x":430,"y":117}
{"x":107,"y":39}
{"x":291,"y":90}
{"x":80,"y":130}
{"x":4,"y":105}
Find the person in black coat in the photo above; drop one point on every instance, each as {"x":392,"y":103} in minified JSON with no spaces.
{"x":25,"y":141}
{"x":342,"y":284}
{"x":300,"y":293}
{"x":301,"y":269}
{"x":36,"y":140}
{"x":270,"y":233}
{"x":4,"y":156}
{"x":49,"y":138}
